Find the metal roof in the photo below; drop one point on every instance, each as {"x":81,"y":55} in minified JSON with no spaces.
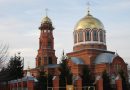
{"x":104,"y":58}
{"x":77,"y":60}
{"x":52,"y":66}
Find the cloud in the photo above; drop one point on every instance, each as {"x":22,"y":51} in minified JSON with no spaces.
{"x":19,"y":21}
{"x":116,"y":7}
{"x":6,"y":2}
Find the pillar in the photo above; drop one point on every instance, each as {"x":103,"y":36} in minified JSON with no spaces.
{"x":118,"y":83}
{"x":19,"y":84}
{"x":9,"y":85}
{"x":22,"y":86}
{"x":56,"y":83}
{"x":12,"y":86}
{"x":30,"y":84}
{"x":79,"y":84}
{"x":15,"y":84}
{"x":99,"y":83}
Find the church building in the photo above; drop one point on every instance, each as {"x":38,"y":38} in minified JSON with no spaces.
{"x":89,"y":49}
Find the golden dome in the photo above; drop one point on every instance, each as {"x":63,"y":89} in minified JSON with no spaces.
{"x":89,"y":22}
{"x":46,"y":20}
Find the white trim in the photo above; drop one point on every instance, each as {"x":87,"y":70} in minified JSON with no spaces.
{"x":89,"y":42}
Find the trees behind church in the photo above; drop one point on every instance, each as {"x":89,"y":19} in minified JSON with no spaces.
{"x":65,"y":73}
{"x":106,"y":81}
{"x":13,"y":70}
{"x":3,"y":55}
{"x":87,"y":77}
{"x":42,"y":81}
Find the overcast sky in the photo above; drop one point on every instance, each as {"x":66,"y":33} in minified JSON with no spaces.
{"x":20,"y":19}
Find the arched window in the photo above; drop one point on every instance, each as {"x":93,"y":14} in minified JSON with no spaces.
{"x":101,"y":36}
{"x":80,"y":36}
{"x":88,"y":36}
{"x":50,"y":60}
{"x":75,"y":37}
{"x":117,"y":67}
{"x":39,"y":61}
{"x":49,"y":44}
{"x":95,"y":36}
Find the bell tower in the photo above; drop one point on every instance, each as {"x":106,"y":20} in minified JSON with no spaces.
{"x":46,"y":52}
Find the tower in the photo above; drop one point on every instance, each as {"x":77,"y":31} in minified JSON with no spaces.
{"x":46,"y":52}
{"x":89,"y":33}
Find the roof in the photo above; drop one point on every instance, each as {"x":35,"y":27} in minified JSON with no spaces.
{"x":105,"y":58}
{"x":46,"y":20}
{"x":77,"y":60}
{"x":28,"y":78}
{"x":52,"y":66}
{"x":89,"y":22}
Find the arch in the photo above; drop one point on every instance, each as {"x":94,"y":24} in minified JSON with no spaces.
{"x":80,"y":36}
{"x":101,"y":36}
{"x":75,"y":37}
{"x":87,"y":35}
{"x":50,"y":60}
{"x":49,"y":43}
{"x":95,"y":35}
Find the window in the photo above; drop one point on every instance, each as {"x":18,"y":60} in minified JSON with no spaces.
{"x":95,"y":35}
{"x":50,"y":60}
{"x":49,"y":44}
{"x":117,"y":67}
{"x":45,"y":60}
{"x":75,"y":37}
{"x":80,"y":36}
{"x":88,"y":35}
{"x":101,"y":36}
{"x":39,"y":61}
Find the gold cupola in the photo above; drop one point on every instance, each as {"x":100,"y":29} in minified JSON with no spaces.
{"x":89,"y":33}
{"x":46,"y":20}
{"x":46,"y":23}
{"x":89,"y":22}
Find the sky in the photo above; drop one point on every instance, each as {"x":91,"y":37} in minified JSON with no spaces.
{"x":20,"y":19}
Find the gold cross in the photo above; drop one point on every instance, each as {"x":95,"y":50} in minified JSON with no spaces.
{"x":46,"y":11}
{"x":88,"y":7}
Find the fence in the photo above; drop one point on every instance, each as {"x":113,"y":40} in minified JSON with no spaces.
{"x":75,"y":88}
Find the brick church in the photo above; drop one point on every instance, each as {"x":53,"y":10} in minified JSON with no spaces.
{"x":89,"y":49}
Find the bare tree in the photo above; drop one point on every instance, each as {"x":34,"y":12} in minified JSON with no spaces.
{"x":3,"y":54}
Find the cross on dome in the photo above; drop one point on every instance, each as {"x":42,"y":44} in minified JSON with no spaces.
{"x":88,"y":7}
{"x":46,"y":11}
